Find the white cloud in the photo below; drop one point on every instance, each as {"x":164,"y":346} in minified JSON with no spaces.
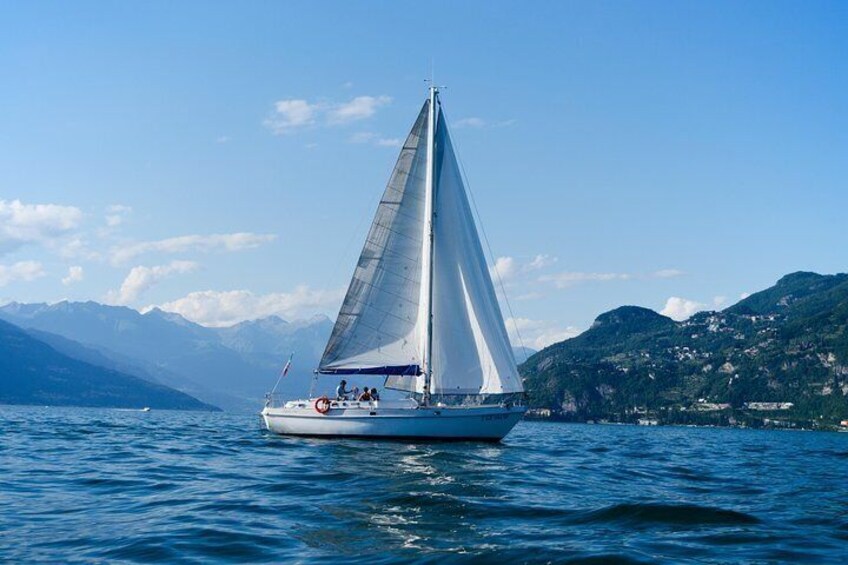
{"x":375,"y":139}
{"x":667,"y":273}
{"x":75,"y":274}
{"x":567,"y":279}
{"x":119,"y":209}
{"x":20,"y":271}
{"x":75,"y":248}
{"x":141,"y":278}
{"x":718,"y":301}
{"x":479,"y":123}
{"x":205,"y":243}
{"x":509,"y":267}
{"x":540,"y":262}
{"x":293,"y":114}
{"x":359,"y":108}
{"x":679,"y":309}
{"x":470,"y":123}
{"x":505,"y":268}
{"x":34,"y":223}
{"x":744,"y":295}
{"x":225,"y":308}
{"x":115,"y":214}
{"x":290,"y":115}
{"x":538,"y":334}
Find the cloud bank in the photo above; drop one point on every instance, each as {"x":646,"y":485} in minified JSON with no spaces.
{"x":537,"y":334}
{"x":680,"y":309}
{"x":20,"y":271}
{"x":34,"y":223}
{"x":295,"y":114}
{"x":140,"y":279}
{"x":75,"y":275}
{"x":225,"y":308}
{"x":182,"y":244}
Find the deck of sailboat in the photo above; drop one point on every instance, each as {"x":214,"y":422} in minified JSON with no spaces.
{"x":393,"y":419}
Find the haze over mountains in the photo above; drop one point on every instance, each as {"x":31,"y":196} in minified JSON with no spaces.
{"x":228,"y":367}
{"x":33,"y":372}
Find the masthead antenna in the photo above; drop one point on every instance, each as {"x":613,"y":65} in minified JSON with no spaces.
{"x":431,"y":85}
{"x":431,"y":82}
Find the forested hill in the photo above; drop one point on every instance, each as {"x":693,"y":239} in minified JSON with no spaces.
{"x":785,"y":344}
{"x":33,"y":372}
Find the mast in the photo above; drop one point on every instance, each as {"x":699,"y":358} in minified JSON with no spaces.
{"x":428,"y":245}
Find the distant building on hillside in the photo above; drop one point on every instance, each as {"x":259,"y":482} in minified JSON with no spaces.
{"x":711,"y":406}
{"x":769,"y":405}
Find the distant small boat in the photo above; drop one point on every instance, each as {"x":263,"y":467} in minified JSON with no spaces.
{"x":146,"y":409}
{"x":420,"y":310}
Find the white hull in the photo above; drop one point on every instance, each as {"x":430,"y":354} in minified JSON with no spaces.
{"x":393,"y":419}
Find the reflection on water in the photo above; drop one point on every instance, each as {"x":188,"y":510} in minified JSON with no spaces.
{"x":88,"y":485}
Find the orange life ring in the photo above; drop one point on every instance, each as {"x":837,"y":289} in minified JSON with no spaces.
{"x":322,"y":405}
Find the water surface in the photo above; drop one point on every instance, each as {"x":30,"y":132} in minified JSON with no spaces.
{"x":106,"y":485}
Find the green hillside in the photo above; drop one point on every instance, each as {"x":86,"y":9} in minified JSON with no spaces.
{"x":786,"y":344}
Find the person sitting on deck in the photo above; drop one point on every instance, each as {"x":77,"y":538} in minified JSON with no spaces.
{"x":374,"y":394}
{"x":354,"y":393}
{"x":365,"y":396}
{"x":341,"y":391}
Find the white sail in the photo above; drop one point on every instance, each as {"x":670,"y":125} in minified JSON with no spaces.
{"x":471,"y":349}
{"x":382,"y":326}
{"x":378,"y":330}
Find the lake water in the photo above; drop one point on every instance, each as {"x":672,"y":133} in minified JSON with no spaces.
{"x":105,"y":485}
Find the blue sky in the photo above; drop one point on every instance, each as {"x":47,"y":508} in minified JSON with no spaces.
{"x":224,"y":159}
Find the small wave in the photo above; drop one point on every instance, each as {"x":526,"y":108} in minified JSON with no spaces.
{"x":677,"y":514}
{"x":110,"y":483}
{"x":526,"y":555}
{"x":606,"y":560}
{"x":150,"y":550}
{"x":692,"y":475}
{"x":737,"y":539}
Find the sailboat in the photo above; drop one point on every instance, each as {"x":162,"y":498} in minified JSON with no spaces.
{"x":420,"y":310}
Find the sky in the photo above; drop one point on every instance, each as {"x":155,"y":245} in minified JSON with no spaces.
{"x":223,"y":160}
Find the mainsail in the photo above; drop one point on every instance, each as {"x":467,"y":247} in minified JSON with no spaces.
{"x":382,"y":327}
{"x":377,"y":330}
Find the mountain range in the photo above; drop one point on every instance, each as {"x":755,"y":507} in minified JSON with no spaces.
{"x":33,"y":372}
{"x":778,"y":356}
{"x":229,"y":367}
